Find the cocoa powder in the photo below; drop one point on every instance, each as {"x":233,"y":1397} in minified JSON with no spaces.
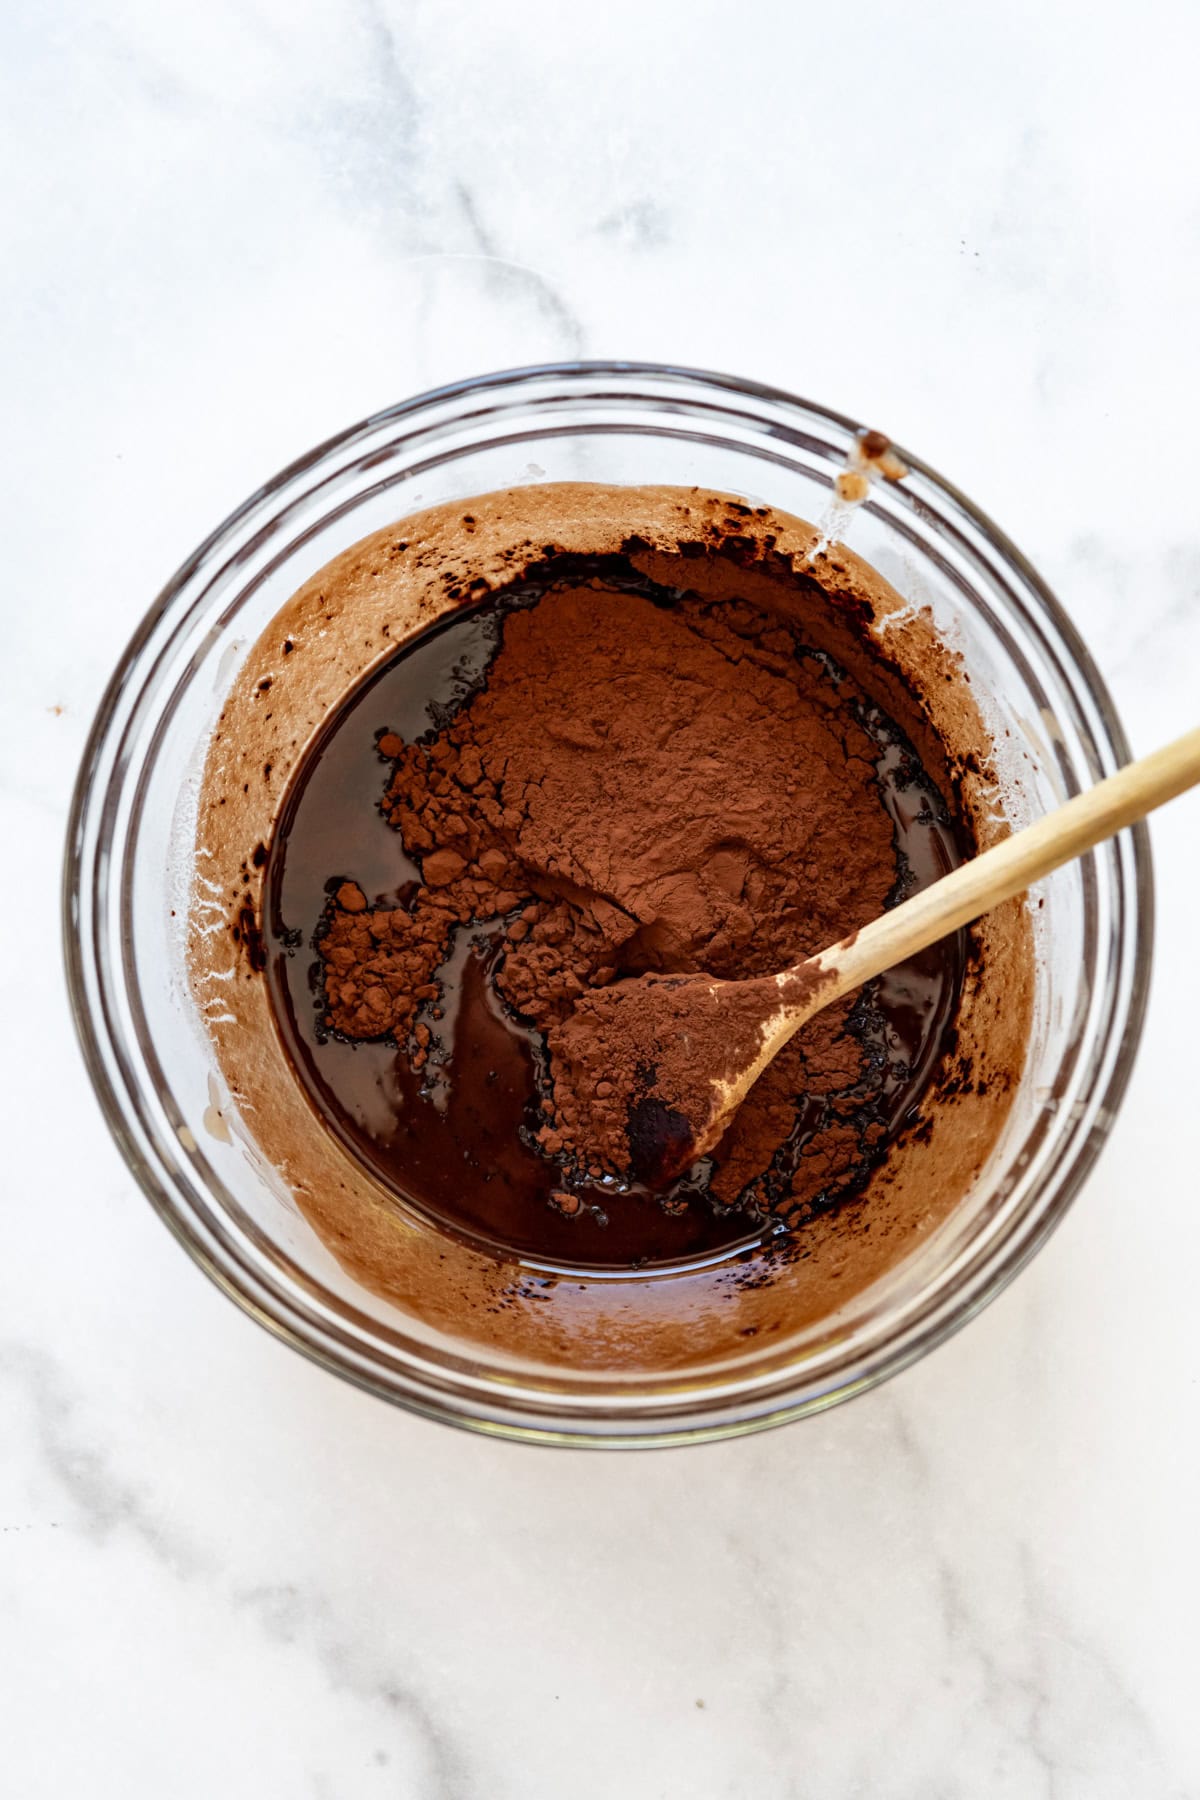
{"x":646,"y":783}
{"x":644,"y":1062}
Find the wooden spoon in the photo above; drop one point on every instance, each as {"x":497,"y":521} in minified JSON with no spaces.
{"x":662,"y":1019}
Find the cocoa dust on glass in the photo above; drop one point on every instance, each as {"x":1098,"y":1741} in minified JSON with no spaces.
{"x":585,"y":779}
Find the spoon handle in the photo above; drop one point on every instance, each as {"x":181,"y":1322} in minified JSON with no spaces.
{"x":1009,"y":867}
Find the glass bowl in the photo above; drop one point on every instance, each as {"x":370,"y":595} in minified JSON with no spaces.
{"x":130,"y":858}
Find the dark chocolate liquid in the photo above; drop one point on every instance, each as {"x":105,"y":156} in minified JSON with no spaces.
{"x":452,"y":1140}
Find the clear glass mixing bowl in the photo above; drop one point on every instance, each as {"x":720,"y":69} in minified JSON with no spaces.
{"x":131,"y":834}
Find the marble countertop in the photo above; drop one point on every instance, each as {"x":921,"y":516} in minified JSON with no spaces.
{"x":232,"y":229}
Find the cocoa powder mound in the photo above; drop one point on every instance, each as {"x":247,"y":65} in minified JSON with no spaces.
{"x":639,"y":787}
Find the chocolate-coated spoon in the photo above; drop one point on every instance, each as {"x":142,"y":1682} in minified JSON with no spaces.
{"x":668,"y":1023}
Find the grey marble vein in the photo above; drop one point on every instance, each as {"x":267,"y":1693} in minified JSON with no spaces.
{"x":1061,"y":1728}
{"x":370,"y":137}
{"x":288,"y":1614}
{"x":644,"y":224}
{"x":107,"y":1503}
{"x":502,"y":272}
{"x":369,"y":148}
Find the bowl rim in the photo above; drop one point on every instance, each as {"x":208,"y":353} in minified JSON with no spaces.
{"x":275,"y":1309}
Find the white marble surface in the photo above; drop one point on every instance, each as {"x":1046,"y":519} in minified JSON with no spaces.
{"x":231,"y":229}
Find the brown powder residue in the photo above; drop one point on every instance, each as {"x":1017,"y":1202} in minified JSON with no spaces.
{"x":636,"y":789}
